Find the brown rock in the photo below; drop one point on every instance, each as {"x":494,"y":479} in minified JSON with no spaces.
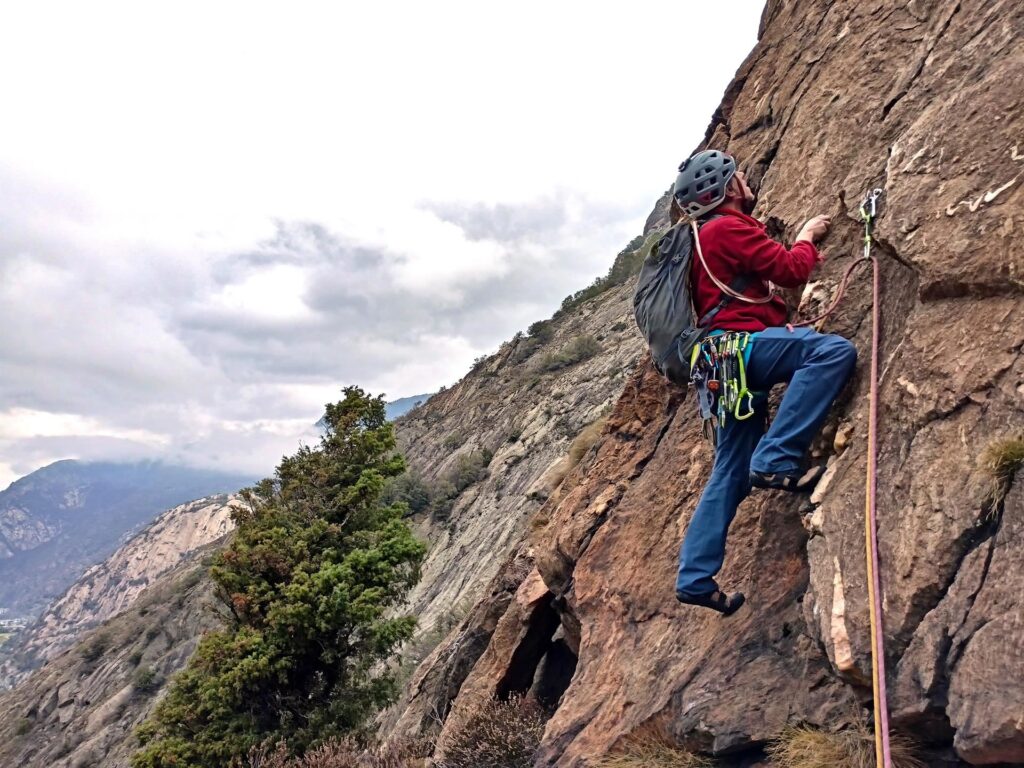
{"x":965,"y":666}
{"x":823,"y":109}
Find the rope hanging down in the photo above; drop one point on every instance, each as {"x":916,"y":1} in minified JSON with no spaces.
{"x":883,"y":759}
{"x":868,"y":213}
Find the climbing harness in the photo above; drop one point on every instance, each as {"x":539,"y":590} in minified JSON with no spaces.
{"x":718,"y":363}
{"x":883,"y":759}
{"x":718,"y":370}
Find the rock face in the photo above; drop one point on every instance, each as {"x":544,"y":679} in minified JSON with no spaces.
{"x":569,"y":564}
{"x":63,"y":518}
{"x":112,"y":586}
{"x":79,"y":711}
{"x":922,"y":100}
{"x":524,"y":413}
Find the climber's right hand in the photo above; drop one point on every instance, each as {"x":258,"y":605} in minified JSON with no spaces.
{"x":815,"y":229}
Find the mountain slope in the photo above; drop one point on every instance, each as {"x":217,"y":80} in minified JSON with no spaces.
{"x":79,"y":711}
{"x":520,"y":410}
{"x":63,"y":518}
{"x":112,"y":586}
{"x":923,"y":101}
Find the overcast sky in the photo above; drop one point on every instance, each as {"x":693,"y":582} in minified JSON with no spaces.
{"x":215,"y":215}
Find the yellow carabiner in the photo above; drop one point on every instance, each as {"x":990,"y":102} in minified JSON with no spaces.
{"x":743,"y":391}
{"x":746,"y":393}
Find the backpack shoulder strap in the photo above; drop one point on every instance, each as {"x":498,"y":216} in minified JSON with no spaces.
{"x":737,"y":285}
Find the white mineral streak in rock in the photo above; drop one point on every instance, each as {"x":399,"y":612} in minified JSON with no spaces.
{"x":840,"y":638}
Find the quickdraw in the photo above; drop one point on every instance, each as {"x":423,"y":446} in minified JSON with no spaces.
{"x":883,"y":759}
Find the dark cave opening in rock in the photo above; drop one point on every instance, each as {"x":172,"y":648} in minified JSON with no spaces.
{"x":543,"y":664}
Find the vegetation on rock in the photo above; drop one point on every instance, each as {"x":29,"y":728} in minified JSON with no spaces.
{"x":437,"y":498}
{"x":343,"y":753}
{"x":317,"y":562}
{"x":803,"y":747}
{"x":576,"y":351}
{"x":1002,"y":460}
{"x":653,"y":750}
{"x":626,"y":265}
{"x":502,"y":734}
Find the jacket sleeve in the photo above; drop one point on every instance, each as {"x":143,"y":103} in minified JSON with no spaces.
{"x":759,"y":255}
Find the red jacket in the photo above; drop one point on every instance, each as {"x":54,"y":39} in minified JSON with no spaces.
{"x":735,"y":244}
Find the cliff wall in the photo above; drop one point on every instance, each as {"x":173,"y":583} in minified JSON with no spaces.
{"x":923,"y":101}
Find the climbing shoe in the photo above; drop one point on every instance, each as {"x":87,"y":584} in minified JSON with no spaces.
{"x":716,"y":601}
{"x":803,"y":483}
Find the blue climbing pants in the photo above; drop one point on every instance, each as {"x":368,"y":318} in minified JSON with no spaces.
{"x":816,"y":366}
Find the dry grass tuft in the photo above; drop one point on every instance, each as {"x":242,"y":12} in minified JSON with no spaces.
{"x":585,"y":440}
{"x":1001,"y":460}
{"x":342,"y":753}
{"x":652,"y":752}
{"x":503,"y":734}
{"x":803,"y":747}
{"x":578,"y":448}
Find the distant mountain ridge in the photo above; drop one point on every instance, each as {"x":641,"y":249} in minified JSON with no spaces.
{"x":403,"y":405}
{"x":112,"y":586}
{"x":63,"y":518}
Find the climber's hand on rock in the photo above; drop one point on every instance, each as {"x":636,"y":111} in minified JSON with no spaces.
{"x":815,"y":229}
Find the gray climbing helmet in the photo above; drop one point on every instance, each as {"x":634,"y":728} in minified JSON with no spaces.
{"x":700,"y":186}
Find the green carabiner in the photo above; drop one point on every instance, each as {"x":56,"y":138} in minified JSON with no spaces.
{"x":744,"y":392}
{"x":750,"y":405}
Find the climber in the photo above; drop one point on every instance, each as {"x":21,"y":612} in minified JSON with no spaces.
{"x":737,"y":254}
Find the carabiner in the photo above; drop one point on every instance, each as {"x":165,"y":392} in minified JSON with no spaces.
{"x":870,"y":200}
{"x":750,"y":405}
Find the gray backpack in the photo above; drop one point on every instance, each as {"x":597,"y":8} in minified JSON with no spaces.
{"x":663,"y":305}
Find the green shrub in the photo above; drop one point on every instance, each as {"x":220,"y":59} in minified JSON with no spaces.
{"x":410,"y":489}
{"x":146,"y":680}
{"x":24,"y":726}
{"x":579,"y":349}
{"x":454,"y":441}
{"x":619,"y":326}
{"x":135,"y":658}
{"x":542,"y":331}
{"x":189,"y":581}
{"x":96,"y":646}
{"x":469,"y":468}
{"x":311,"y":581}
{"x":525,"y":349}
{"x":502,"y":734}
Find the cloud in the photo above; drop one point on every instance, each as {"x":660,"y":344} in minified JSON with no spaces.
{"x":196,"y":253}
{"x":505,"y":223}
{"x":229,"y":360}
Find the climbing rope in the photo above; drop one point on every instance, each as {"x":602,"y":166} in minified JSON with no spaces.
{"x":868,"y":211}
